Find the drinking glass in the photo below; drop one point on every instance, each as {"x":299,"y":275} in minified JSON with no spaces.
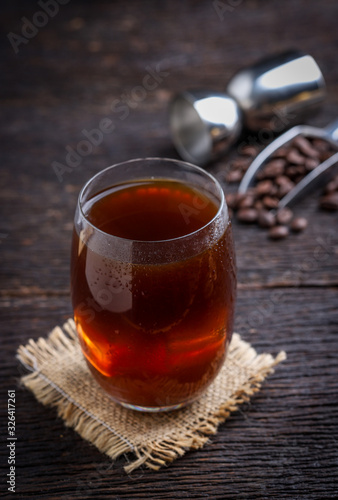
{"x":153,"y":281}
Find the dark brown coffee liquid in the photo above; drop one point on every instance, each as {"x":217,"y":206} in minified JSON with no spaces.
{"x":152,"y":211}
{"x":154,"y":335}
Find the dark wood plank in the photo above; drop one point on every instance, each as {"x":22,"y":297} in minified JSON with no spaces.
{"x":283,"y":444}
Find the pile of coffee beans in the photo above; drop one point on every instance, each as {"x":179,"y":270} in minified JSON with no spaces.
{"x":280,"y":174}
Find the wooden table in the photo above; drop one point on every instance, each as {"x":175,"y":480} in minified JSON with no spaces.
{"x":88,"y":62}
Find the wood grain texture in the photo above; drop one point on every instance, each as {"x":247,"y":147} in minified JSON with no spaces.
{"x":284,"y":443}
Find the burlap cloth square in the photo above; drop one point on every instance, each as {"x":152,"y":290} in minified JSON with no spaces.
{"x":59,"y":377}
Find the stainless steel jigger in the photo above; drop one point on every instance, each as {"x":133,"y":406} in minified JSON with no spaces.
{"x":204,"y":125}
{"x":272,"y":94}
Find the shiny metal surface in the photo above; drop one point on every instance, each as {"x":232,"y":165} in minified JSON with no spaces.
{"x":279,"y":91}
{"x":203,"y":125}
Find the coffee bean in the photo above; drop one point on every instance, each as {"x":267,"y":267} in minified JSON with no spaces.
{"x":274,"y":190}
{"x":285,"y":185}
{"x":270,"y":202}
{"x":294,"y":171}
{"x":332,"y":185}
{"x":258,"y":205}
{"x":278,"y":232}
{"x":295,"y":157}
{"x":273,"y":168}
{"x":234,"y":176}
{"x":284,"y":189}
{"x":299,"y":224}
{"x":305,"y":146}
{"x":249,"y":150}
{"x":281,"y":180}
{"x":264,"y":187}
{"x":284,"y":216}
{"x":281,"y":152}
{"x":247,"y":201}
{"x":330,"y":201}
{"x":325,"y":155}
{"x":311,"y":163}
{"x":321,"y":144}
{"x":299,"y":169}
{"x":247,"y":215}
{"x":266,"y":218}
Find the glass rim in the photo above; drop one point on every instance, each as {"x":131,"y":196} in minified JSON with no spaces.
{"x":200,"y":170}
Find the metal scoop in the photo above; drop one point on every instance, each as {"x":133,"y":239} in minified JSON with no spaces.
{"x":314,"y":179}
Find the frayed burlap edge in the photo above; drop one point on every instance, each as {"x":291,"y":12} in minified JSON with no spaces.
{"x":108,"y":440}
